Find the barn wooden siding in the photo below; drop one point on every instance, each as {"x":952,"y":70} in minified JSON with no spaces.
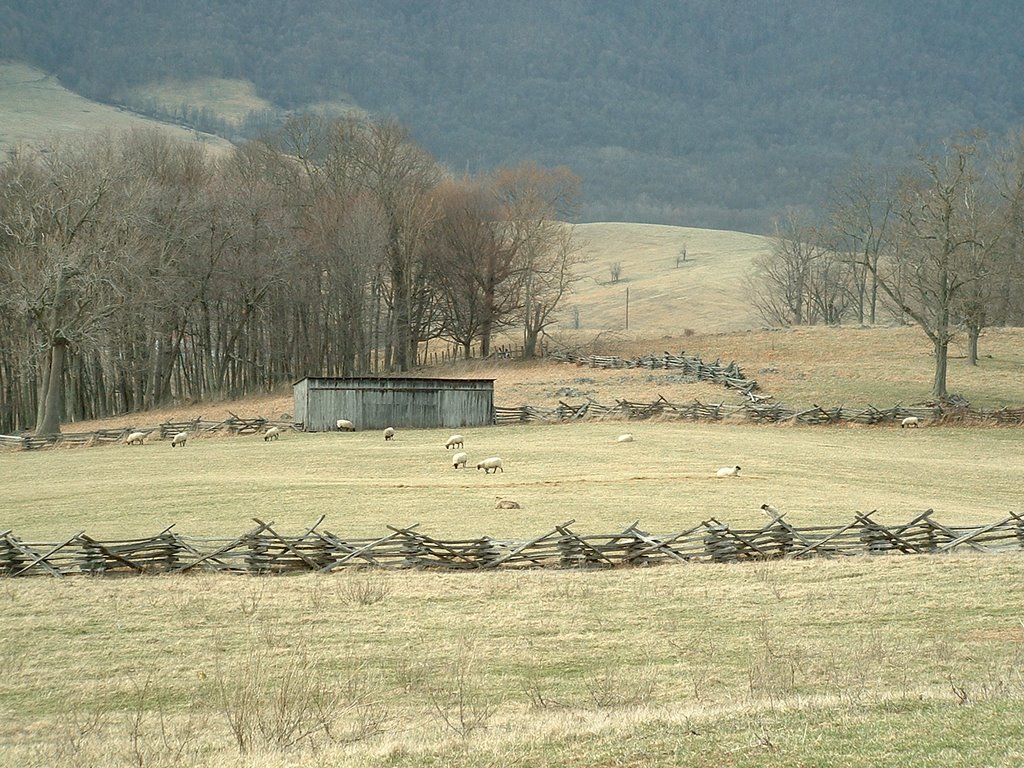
{"x":371,"y":403}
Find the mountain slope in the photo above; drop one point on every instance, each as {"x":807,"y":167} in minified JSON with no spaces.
{"x":700,"y":113}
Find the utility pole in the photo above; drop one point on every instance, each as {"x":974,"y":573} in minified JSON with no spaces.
{"x":627,"y":307}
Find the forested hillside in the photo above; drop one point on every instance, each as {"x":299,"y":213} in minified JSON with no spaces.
{"x":703,"y":113}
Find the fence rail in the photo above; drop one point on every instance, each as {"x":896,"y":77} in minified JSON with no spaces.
{"x":263,"y":550}
{"x":233,"y":425}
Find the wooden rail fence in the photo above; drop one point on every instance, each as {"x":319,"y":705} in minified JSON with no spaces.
{"x":264,"y":550}
{"x":233,"y":425}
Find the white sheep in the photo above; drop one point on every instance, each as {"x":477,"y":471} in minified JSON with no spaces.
{"x":459,"y":460}
{"x":136,"y":438}
{"x":625,"y":438}
{"x":506,"y":503}
{"x":272,"y":434}
{"x":455,"y":441}
{"x":491,"y":464}
{"x":910,"y":421}
{"x":389,"y":433}
{"x":728,"y":472}
{"x":179,"y":439}
{"x":344,"y":425}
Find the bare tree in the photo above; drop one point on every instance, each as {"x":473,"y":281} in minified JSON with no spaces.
{"x":941,"y":246}
{"x":537,"y":206}
{"x":380,"y":159}
{"x":72,"y":246}
{"x":861,"y":218}
{"x":781,"y":280}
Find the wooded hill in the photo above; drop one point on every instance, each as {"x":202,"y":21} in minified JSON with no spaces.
{"x":702,"y":114}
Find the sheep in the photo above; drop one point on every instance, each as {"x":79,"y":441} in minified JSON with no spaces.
{"x":389,"y":433}
{"x":491,"y":464}
{"x":455,"y":441}
{"x":179,"y":439}
{"x":344,"y":425}
{"x":272,"y":434}
{"x":506,"y":503}
{"x":624,"y":438}
{"x":910,"y":421}
{"x":136,"y":438}
{"x":728,"y":472}
{"x":460,"y":459}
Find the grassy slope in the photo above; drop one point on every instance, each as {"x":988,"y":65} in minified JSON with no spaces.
{"x":705,"y":294}
{"x":36,"y":108}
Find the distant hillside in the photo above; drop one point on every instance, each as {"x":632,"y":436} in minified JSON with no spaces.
{"x":700,"y":113}
{"x":704,"y":293}
{"x":37,"y":108}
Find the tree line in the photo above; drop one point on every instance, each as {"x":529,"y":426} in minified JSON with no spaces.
{"x":139,"y":269}
{"x":937,"y":242}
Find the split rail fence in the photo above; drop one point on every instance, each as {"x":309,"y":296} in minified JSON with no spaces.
{"x":263,"y":550}
{"x":756,"y":408}
{"x":233,"y":425}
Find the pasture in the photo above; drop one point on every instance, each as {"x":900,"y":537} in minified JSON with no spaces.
{"x":665,"y":479}
{"x":864,"y":661}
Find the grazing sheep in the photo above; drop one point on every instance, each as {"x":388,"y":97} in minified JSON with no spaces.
{"x":459,"y":460}
{"x":272,"y":434}
{"x":455,"y":441}
{"x":389,"y":433}
{"x":910,"y":421}
{"x":625,"y":438}
{"x":771,"y":511}
{"x":506,"y":503}
{"x":344,"y":425}
{"x":136,"y":438}
{"x":492,"y":464}
{"x":179,"y":439}
{"x":728,"y":472}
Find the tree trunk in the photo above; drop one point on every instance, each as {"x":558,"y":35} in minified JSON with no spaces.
{"x":973,"y":333}
{"x":941,"y":344}
{"x":49,"y":424}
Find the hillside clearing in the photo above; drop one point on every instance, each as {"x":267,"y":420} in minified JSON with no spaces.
{"x":37,"y":110}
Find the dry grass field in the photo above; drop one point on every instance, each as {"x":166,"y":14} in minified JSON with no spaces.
{"x":704,"y":294}
{"x":559,"y":472}
{"x":861,"y":662}
{"x":857,"y":663}
{"x":37,"y":109}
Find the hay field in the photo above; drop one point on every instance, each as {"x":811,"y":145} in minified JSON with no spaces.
{"x":37,"y":109}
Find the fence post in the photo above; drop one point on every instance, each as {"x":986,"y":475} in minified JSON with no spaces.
{"x":719,"y":547}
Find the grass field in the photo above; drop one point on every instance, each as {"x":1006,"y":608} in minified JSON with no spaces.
{"x":864,"y":662}
{"x":861,"y":662}
{"x":665,"y":478}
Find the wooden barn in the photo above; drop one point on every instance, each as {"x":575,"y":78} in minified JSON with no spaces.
{"x":374,"y":403}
